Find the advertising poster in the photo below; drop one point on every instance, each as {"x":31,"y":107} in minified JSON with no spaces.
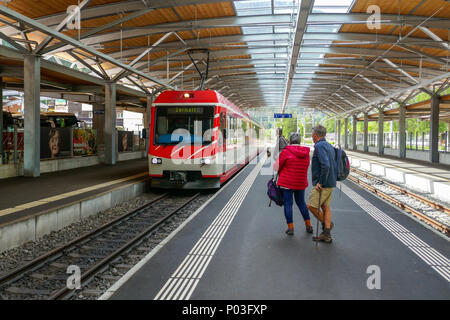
{"x":125,"y":141}
{"x":84,"y":142}
{"x":55,"y":143}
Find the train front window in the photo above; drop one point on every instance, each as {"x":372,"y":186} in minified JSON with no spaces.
{"x":191,"y":125}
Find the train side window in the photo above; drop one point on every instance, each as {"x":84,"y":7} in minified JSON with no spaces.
{"x":222,"y":129}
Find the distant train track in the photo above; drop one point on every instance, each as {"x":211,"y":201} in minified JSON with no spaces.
{"x":401,"y":198}
{"x":45,"y":277}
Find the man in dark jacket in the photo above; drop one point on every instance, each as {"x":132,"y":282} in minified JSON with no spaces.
{"x":324,"y":175}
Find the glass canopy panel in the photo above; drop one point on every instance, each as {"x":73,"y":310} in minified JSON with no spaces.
{"x":256,"y":30}
{"x":253,"y":7}
{"x":316,"y":49}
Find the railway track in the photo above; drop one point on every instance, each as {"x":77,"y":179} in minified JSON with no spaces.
{"x":403,"y":198}
{"x":46,"y":277}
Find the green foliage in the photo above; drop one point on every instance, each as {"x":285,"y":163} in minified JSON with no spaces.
{"x":419,"y":98}
{"x":244,"y":126}
{"x":289,"y":126}
{"x":445,"y":92}
{"x":329,"y":125}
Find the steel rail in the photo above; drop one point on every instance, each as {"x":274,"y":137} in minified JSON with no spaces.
{"x":406,"y":192}
{"x":54,"y":254}
{"x":65,"y":293}
{"x":437,"y":225}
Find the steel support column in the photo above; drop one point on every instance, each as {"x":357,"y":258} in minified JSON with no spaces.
{"x":355,"y":127}
{"x":381,"y":132}
{"x":32,"y":133}
{"x":335,"y":131}
{"x":147,"y":119}
{"x":346,"y":133}
{"x":366,"y":132}
{"x":1,"y":122}
{"x":434,"y":129}
{"x":110,"y":134}
{"x":402,"y":132}
{"x":98,"y":123}
{"x":339,"y":132}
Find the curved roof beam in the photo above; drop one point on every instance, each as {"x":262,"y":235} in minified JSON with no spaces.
{"x":258,"y":20}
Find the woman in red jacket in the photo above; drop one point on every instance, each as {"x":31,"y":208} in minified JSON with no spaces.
{"x":292,"y":167}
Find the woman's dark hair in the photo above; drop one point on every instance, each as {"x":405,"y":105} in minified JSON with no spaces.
{"x":295,"y":138}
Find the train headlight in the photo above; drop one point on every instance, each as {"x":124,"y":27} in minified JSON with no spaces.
{"x":156,"y":160}
{"x":205,"y":161}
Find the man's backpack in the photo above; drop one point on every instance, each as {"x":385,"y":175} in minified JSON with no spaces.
{"x":342,"y":164}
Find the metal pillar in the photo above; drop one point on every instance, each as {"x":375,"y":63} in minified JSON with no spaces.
{"x":355,"y":124}
{"x":1,"y":121}
{"x":147,"y":119}
{"x":339,"y":132}
{"x":335,"y":131}
{"x":447,"y":144}
{"x":32,"y":133}
{"x":98,"y":123}
{"x":366,"y":132}
{"x":434,"y":129}
{"x":110,"y":123}
{"x":402,"y":132}
{"x":346,"y":133}
{"x":381,"y":132}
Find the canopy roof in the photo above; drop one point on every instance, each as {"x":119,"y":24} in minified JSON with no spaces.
{"x":280,"y":54}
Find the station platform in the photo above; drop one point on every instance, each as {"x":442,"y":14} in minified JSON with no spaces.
{"x":28,"y":195}
{"x":424,"y":177}
{"x":235,"y":248}
{"x":33,"y":207}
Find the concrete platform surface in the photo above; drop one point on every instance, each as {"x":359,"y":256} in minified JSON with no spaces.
{"x":23,"y":196}
{"x":236,"y":248}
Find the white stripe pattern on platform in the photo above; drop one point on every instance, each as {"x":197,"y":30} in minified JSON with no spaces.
{"x":184,"y":280}
{"x":429,"y":255}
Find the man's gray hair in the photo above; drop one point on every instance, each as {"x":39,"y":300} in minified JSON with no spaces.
{"x":295,"y":138}
{"x":321,"y":131}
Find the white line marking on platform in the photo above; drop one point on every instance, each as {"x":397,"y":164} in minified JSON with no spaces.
{"x":428,"y":254}
{"x":116,"y":286}
{"x":207,"y":244}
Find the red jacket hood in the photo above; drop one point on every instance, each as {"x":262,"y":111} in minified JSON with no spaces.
{"x":298,"y":151}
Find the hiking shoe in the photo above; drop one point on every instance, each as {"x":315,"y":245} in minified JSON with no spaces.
{"x":290,"y":232}
{"x":325,"y":236}
{"x":309,"y":229}
{"x":331,"y":227}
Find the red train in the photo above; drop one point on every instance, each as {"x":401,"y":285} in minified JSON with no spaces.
{"x":199,"y":139}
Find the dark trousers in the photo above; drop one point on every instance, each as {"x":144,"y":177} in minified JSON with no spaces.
{"x":299,"y":196}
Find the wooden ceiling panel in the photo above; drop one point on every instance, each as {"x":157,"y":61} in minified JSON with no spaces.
{"x":205,"y":11}
{"x":41,"y":8}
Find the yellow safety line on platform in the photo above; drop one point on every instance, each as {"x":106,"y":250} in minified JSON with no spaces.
{"x":351,"y":154}
{"x":68,"y":194}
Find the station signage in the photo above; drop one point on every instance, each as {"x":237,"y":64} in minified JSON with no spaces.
{"x":282,"y":115}
{"x":185,"y":110}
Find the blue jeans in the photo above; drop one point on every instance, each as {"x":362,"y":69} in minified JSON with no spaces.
{"x":299,"y":196}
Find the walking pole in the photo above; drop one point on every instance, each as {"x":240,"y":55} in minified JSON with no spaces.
{"x":318,"y":215}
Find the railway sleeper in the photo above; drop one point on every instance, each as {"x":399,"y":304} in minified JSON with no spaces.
{"x":27,"y":291}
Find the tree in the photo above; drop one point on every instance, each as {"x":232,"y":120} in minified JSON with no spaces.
{"x":289,"y":126}
{"x":329,"y":125}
